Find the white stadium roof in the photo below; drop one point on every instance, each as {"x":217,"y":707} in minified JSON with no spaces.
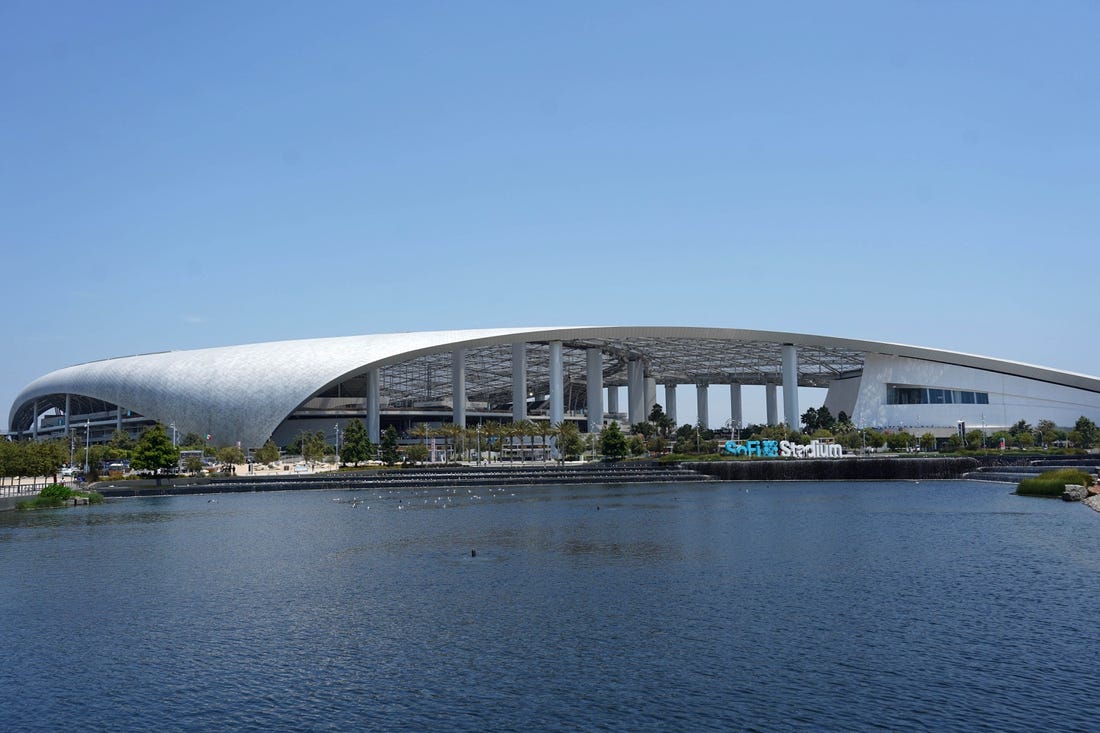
{"x":244,"y":392}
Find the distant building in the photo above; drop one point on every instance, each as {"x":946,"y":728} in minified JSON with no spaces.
{"x":247,"y":394}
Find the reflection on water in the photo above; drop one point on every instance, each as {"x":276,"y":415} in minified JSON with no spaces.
{"x":783,"y":606}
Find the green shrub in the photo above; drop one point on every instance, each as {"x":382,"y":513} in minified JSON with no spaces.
{"x":56,"y":491}
{"x":56,"y":495}
{"x":1053,"y":483}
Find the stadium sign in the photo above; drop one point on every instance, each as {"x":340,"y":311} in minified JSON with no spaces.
{"x":782,"y":449}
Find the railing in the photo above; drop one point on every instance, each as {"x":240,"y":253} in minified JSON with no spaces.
{"x":23,"y":488}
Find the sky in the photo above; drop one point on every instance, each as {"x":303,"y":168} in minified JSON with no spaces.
{"x":187,"y":175}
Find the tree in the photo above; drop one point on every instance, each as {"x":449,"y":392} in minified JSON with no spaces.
{"x":928,"y":442}
{"x":954,"y":442}
{"x":1019,"y":429}
{"x":356,"y":440}
{"x":192,"y":464}
{"x":1047,"y":430}
{"x":389,"y":446}
{"x":230,"y":455}
{"x":526,"y":431}
{"x":268,"y":452}
{"x":421,"y":430}
{"x":545,"y":430}
{"x":312,"y":446}
{"x":121,"y":445}
{"x":811,"y":420}
{"x":661,"y":421}
{"x":613,"y":443}
{"x":1087,"y":433}
{"x":450,"y":433}
{"x":900,"y":441}
{"x":975,"y":440}
{"x":416,"y":453}
{"x":494,"y":436}
{"x":570,"y":443}
{"x":154,"y":452}
{"x":193,"y":441}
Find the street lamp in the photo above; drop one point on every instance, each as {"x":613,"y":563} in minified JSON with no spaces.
{"x":87,"y":445}
{"x":478,"y":431}
{"x":337,"y":427}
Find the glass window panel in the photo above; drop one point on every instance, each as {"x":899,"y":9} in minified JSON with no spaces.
{"x":967,"y":398}
{"x":983,"y":398}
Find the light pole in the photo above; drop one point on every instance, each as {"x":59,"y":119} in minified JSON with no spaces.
{"x":87,"y":445}
{"x":175,"y":437}
{"x":478,"y":431}
{"x":337,"y":426}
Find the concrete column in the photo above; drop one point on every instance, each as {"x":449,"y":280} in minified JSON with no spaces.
{"x":458,"y":386}
{"x":519,"y":382}
{"x":650,"y":395}
{"x":735,"y":406}
{"x":670,"y":401}
{"x":701,"y":405}
{"x":374,"y":412}
{"x":118,"y":418}
{"x":790,"y":386}
{"x":34,"y":425}
{"x":594,"y":377}
{"x":635,"y":391}
{"x":68,"y":411}
{"x":769,"y":400}
{"x":557,"y":386}
{"x":612,"y":399}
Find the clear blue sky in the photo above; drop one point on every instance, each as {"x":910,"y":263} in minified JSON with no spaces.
{"x":181,"y":175}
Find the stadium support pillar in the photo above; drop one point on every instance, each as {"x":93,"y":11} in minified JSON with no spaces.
{"x":557,"y":390}
{"x":735,"y":406}
{"x":635,"y":391}
{"x":458,"y":387}
{"x":790,"y":386}
{"x":701,"y":405}
{"x":34,"y":425}
{"x":519,"y":382}
{"x":594,"y":377}
{"x":650,"y":395}
{"x":374,"y":412}
{"x":118,"y":418}
{"x":613,"y":399}
{"x":68,"y":410}
{"x":670,"y":401}
{"x":770,"y":403}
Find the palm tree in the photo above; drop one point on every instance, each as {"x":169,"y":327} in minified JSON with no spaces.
{"x":525,"y":429}
{"x":451,"y":432}
{"x":545,"y":429}
{"x":491,"y":430}
{"x":422,"y":431}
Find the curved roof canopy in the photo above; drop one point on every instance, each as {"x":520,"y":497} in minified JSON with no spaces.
{"x":244,"y":392}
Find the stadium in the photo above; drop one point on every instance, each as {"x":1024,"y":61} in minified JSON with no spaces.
{"x":247,"y":394}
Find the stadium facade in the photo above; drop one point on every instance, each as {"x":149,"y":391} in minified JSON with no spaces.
{"x":247,"y":394}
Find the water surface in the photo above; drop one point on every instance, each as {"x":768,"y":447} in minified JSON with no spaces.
{"x":720,"y":606}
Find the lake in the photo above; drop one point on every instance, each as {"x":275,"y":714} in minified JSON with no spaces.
{"x":942,"y":605}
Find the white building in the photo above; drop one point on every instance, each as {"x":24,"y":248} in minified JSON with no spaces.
{"x":247,"y":394}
